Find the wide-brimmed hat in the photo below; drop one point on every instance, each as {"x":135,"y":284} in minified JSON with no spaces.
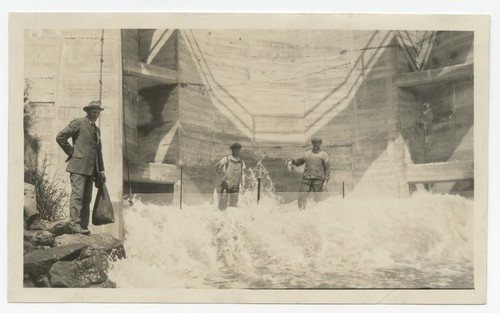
{"x":316,"y":140}
{"x":96,"y":104}
{"x":235,"y":146}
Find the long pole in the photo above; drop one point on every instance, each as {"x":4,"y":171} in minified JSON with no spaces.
{"x":182,"y":167}
{"x":258,"y":189}
{"x":343,"y":191}
{"x":124,"y":125}
{"x":102,"y":60}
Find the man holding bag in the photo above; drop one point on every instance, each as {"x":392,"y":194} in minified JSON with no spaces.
{"x":85,"y":164}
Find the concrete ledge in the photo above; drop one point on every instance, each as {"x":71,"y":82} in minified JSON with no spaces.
{"x":439,"y":172}
{"x":449,"y":73}
{"x":152,"y":172}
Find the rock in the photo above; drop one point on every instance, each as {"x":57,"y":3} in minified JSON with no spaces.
{"x":39,"y":237}
{"x":81,"y":273}
{"x":107,"y":284}
{"x":113,"y":246}
{"x":28,"y":283}
{"x":30,"y":209}
{"x":76,"y":260}
{"x":29,"y":234}
{"x":44,"y":225}
{"x":28,"y":247}
{"x":38,"y":262}
{"x":61,"y":228}
{"x":42,"y":281}
{"x":87,"y":252}
{"x":44,"y":238}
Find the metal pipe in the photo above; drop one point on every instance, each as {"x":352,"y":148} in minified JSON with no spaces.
{"x":100,"y":69}
{"x":124,"y":125}
{"x":258,"y":189}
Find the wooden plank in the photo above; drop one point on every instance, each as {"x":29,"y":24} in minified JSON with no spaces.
{"x":152,"y":172}
{"x":449,"y":73}
{"x":153,"y":72}
{"x":439,"y":172}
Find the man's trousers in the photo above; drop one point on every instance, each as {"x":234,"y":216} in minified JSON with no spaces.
{"x":228,"y":192}
{"x":307,"y":185}
{"x":81,"y":196}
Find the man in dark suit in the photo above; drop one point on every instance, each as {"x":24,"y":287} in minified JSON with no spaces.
{"x":85,"y":163}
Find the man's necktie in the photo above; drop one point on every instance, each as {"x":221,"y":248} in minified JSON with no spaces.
{"x":95,"y":131}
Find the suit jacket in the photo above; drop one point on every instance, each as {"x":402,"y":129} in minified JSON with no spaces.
{"x":85,"y":156}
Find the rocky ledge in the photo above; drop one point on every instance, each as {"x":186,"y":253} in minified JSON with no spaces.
{"x":54,"y":257}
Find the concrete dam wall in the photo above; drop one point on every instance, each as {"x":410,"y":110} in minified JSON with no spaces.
{"x":274,"y":90}
{"x":388,"y":105}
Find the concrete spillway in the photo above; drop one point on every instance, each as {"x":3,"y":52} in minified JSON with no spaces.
{"x":273,"y":90}
{"x":180,"y":97}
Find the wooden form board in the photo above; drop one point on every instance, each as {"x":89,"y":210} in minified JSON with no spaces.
{"x":152,"y":173}
{"x":449,"y":73}
{"x":439,"y":172}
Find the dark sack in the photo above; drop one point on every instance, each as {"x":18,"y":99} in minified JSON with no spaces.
{"x":103,"y":208}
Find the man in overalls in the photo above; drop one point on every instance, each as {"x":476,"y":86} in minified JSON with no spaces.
{"x":316,"y":172}
{"x":232,"y":167}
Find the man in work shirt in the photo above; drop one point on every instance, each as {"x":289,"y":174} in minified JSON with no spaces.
{"x":316,"y":172}
{"x":232,"y":167}
{"x":85,"y":163}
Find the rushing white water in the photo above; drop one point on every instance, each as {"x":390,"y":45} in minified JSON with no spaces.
{"x":424,"y":241}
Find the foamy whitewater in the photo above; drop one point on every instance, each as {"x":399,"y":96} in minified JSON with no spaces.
{"x":424,"y":241}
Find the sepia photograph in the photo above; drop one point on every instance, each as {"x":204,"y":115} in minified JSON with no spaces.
{"x":251,"y":164}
